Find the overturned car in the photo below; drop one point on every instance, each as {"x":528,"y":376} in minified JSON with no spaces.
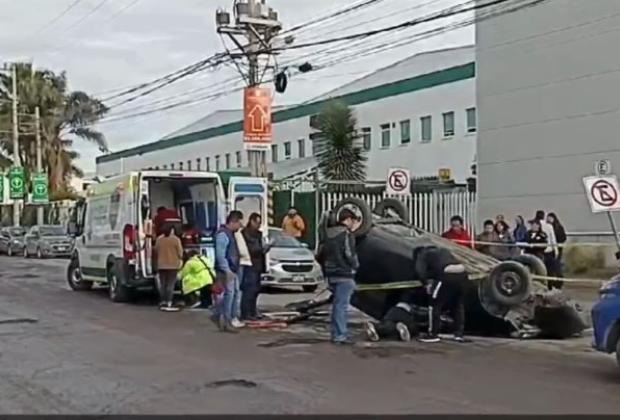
{"x":502,"y":298}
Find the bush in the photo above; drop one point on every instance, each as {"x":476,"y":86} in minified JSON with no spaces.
{"x":581,"y":259}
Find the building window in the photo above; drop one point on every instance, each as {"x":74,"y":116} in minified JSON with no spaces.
{"x":426,"y":131}
{"x":239,"y":161}
{"x":227,"y":160}
{"x":274,"y":153}
{"x":180,"y":166}
{"x":189,"y":165}
{"x":471,"y":120}
{"x":386,"y":133}
{"x":405,"y":132}
{"x":301,"y":145}
{"x":208,"y":164}
{"x":217,"y":163}
{"x":198,"y":164}
{"x":366,"y":138}
{"x":448,"y":124}
{"x":287,"y":150}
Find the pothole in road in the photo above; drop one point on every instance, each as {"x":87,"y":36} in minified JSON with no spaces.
{"x":234,"y":383}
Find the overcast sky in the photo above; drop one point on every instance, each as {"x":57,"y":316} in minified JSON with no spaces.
{"x":104,"y":46}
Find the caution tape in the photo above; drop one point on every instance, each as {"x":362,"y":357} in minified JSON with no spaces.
{"x":528,"y":245}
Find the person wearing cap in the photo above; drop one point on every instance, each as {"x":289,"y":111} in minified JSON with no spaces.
{"x":340,"y":263}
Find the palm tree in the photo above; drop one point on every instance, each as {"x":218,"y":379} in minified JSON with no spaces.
{"x":65,"y":116}
{"x":339,"y":151}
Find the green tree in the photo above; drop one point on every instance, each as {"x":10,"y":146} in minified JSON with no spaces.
{"x":340,"y":153}
{"x":65,"y":116}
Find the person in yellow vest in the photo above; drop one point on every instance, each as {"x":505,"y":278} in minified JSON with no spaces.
{"x":197,"y":277}
{"x":293,"y":224}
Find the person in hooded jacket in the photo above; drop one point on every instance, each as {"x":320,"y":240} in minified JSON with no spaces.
{"x":197,"y":276}
{"x":520,"y":232}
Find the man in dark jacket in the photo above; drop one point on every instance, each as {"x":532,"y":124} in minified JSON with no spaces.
{"x":339,"y":259}
{"x":250,"y":286}
{"x":445,"y":276}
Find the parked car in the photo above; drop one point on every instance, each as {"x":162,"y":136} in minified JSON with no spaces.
{"x":606,"y":319}
{"x":12,"y":240}
{"x":48,"y":241}
{"x":291,"y":263}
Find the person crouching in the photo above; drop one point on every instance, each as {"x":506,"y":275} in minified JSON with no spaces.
{"x":197,"y":276}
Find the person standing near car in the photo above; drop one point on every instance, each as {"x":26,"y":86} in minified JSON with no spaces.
{"x":169,"y":252}
{"x":250,"y":287}
{"x":339,"y":260}
{"x":560,"y":238}
{"x":457,"y":232}
{"x":293,"y":224}
{"x":227,"y":263}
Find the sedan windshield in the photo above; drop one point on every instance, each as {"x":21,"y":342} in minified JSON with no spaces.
{"x":283,"y":240}
{"x":52,"y":231}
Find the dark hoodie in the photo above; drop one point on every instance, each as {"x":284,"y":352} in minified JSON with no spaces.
{"x":337,"y":253}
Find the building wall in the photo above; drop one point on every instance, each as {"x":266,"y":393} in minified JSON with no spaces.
{"x":448,"y":87}
{"x":547,"y":81}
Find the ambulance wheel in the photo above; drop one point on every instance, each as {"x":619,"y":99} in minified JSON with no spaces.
{"x":532,"y":263}
{"x":391,"y":207}
{"x":74,"y":277}
{"x":117,"y":290}
{"x":361,"y":210}
{"x":508,"y":283}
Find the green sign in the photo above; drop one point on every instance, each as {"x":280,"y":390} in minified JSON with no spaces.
{"x":39,"y":189}
{"x":16,"y":183}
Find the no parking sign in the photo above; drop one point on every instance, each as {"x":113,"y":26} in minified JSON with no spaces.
{"x":603,"y":193}
{"x":398,"y":182}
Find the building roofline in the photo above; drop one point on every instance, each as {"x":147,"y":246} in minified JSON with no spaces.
{"x":419,"y":82}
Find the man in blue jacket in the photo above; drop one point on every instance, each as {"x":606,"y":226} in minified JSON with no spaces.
{"x":227,"y":269}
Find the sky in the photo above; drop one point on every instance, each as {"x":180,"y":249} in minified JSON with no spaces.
{"x":108,"y":45}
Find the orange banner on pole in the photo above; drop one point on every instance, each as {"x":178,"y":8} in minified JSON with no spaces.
{"x":257,"y":134}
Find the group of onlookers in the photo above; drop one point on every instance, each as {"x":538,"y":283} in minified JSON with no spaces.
{"x":544,"y":238}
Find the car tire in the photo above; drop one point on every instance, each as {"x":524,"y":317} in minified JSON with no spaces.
{"x":9,"y":252}
{"x":39,"y":254}
{"x":362,"y":210}
{"x":391,"y":205}
{"x":74,"y":277}
{"x":532,"y":263}
{"x":509,"y":283}
{"x":310,"y":289}
{"x":118,"y":292}
{"x":26,"y":255}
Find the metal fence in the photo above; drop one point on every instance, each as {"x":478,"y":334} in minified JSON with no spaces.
{"x":430,"y":211}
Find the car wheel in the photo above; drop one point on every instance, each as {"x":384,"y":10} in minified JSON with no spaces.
{"x":509,"y":283}
{"x":9,"y":251}
{"x":361,"y":209}
{"x":391,"y":207}
{"x":532,"y":263}
{"x":117,"y":291}
{"x":39,"y":254}
{"x":26,"y":255}
{"x":310,"y":289}
{"x":74,"y":277}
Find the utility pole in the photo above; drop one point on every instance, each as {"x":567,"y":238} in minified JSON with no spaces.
{"x":16,"y":160}
{"x":258,"y":24}
{"x":37,"y":124}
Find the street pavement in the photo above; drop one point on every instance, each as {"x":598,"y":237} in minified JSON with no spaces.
{"x":64,"y":352}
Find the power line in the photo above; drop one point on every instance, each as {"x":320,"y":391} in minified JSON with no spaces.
{"x":122,"y":10}
{"x":86,"y":16}
{"x":60,"y":16}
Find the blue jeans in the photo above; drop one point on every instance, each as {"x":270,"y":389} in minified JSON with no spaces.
{"x":229,"y":303}
{"x":342,"y":290}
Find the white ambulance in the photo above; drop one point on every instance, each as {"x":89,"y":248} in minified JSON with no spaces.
{"x":113,"y":225}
